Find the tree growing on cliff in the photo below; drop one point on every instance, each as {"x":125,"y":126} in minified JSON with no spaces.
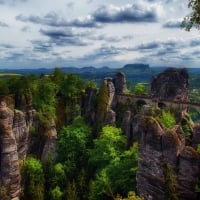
{"x":33,"y":179}
{"x":193,"y":20}
{"x":116,"y":166}
{"x":102,"y":104}
{"x":140,"y":89}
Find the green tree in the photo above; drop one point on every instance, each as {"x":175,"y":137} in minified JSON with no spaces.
{"x":108,"y":146}
{"x":71,"y":191}
{"x":45,"y":100}
{"x":56,"y":194}
{"x":140,"y":89}
{"x":193,"y":20}
{"x":71,"y":87}
{"x":118,"y":177}
{"x":102,"y":104}
{"x":4,"y":89}
{"x":33,"y":179}
{"x":170,"y":183}
{"x":72,"y":145}
{"x":167,"y":119}
{"x":131,"y":196}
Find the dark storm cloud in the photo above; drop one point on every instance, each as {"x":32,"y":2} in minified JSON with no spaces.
{"x":106,"y":14}
{"x":165,"y":52}
{"x":2,"y":24}
{"x":129,"y":13}
{"x":41,"y":46}
{"x":168,"y":45}
{"x":172,"y":24}
{"x":52,"y":19}
{"x":150,"y":45}
{"x":64,"y":37}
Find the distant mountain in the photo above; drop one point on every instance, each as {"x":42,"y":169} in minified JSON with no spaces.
{"x":134,"y":72}
{"x":136,"y":68}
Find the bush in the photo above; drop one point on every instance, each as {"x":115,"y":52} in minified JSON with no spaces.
{"x":167,"y":119}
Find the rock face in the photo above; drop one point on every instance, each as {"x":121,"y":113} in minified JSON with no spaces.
{"x":9,"y":159}
{"x":172,"y":84}
{"x":111,"y":90}
{"x":120,"y":83}
{"x":49,"y":148}
{"x":163,"y":150}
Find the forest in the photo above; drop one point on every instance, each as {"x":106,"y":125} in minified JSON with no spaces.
{"x":92,"y":162}
{"x":92,"y":159}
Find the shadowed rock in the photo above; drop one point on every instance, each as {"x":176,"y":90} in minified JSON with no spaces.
{"x":172,"y":84}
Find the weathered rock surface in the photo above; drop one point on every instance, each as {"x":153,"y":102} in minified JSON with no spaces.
{"x":49,"y":148}
{"x":9,"y":160}
{"x":150,"y":174}
{"x":20,"y":130}
{"x":111,"y":90}
{"x":159,"y":148}
{"x":172,"y":84}
{"x":120,"y":83}
{"x":88,"y":108}
{"x":188,"y":174}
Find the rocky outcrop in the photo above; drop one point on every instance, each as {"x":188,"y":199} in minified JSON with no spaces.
{"x":172,"y":84}
{"x":20,"y":130}
{"x":9,"y":159}
{"x":120,"y":83}
{"x":88,"y":107}
{"x":111,"y":90}
{"x":163,"y":150}
{"x":49,"y":148}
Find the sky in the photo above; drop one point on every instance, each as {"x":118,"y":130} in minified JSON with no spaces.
{"x":65,"y":33}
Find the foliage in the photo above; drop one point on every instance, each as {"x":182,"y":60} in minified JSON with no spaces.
{"x":33,"y":179}
{"x":91,"y":84}
{"x":198,"y":148}
{"x":193,"y":20}
{"x":108,"y":146}
{"x":56,"y":194}
{"x":115,"y":166}
{"x":167,"y":119}
{"x":170,"y":182}
{"x":71,"y":86}
{"x":4,"y":89}
{"x":187,"y":130}
{"x":71,"y":192}
{"x":140,"y":89}
{"x":45,"y":100}
{"x":119,"y":176}
{"x":72,"y":141}
{"x":102,"y":103}
{"x":131,"y":196}
{"x":4,"y":193}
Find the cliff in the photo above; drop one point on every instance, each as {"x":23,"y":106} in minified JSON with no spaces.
{"x":167,"y":168}
{"x":9,"y":157}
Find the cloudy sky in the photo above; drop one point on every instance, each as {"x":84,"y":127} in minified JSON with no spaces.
{"x":49,"y":33}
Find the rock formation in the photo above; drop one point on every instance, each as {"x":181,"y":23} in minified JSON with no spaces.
{"x":120,"y":83}
{"x":161,"y":150}
{"x":9,"y":159}
{"x":172,"y":84}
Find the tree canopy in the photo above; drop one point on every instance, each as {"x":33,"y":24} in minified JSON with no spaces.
{"x":192,"y":20}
